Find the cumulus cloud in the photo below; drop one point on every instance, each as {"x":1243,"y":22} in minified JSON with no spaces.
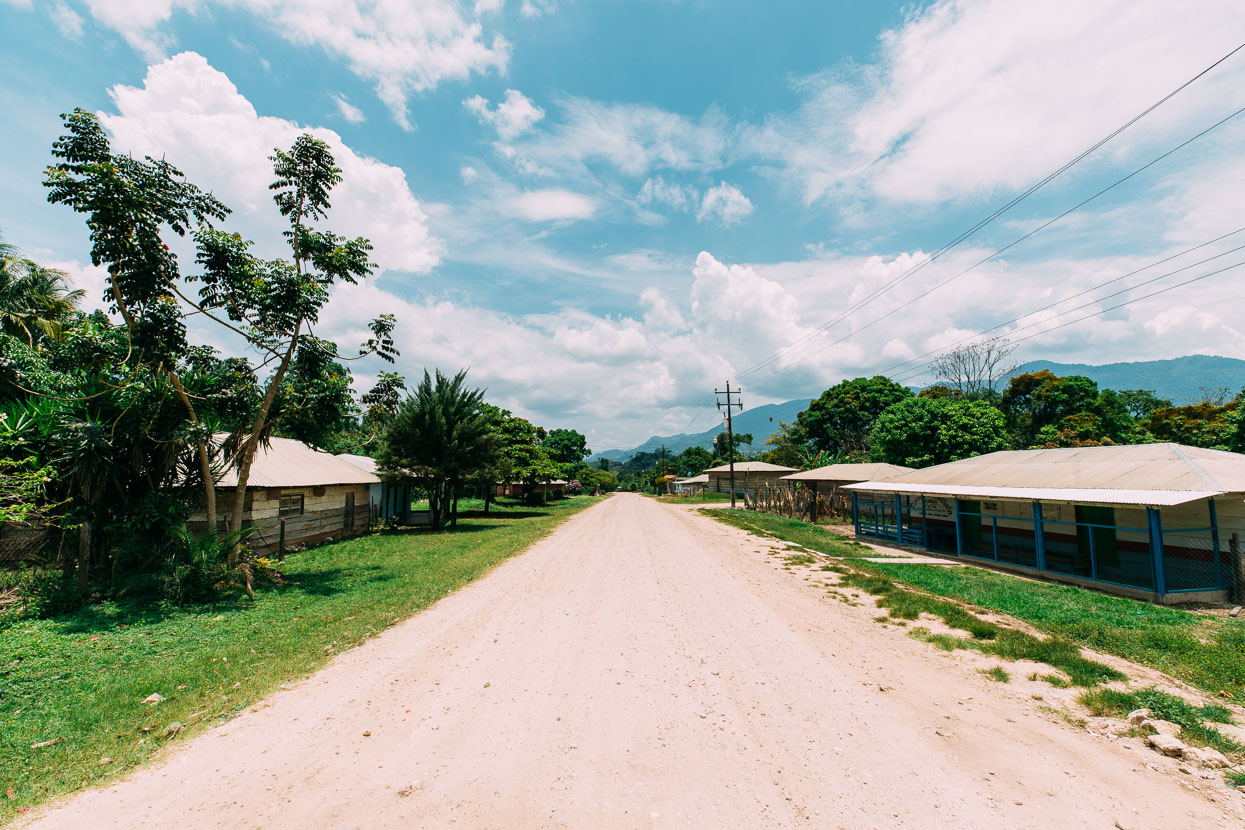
{"x":726,"y":203}
{"x":551,"y":204}
{"x":192,"y":114}
{"x":401,"y":47}
{"x":514,"y":115}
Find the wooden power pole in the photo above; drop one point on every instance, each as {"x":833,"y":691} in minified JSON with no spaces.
{"x":730,"y":430}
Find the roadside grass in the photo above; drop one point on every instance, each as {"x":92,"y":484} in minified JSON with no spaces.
{"x":1205,"y":652}
{"x":79,"y":680}
{"x":1195,"y":722}
{"x":792,"y":530}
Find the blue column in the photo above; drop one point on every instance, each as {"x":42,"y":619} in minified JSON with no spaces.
{"x":856,"y":510}
{"x":959,"y":530}
{"x":1156,"y":550}
{"x":994,"y":535}
{"x":924,"y":525}
{"x":898,"y":518}
{"x":1039,"y":536}
{"x":1214,"y":541}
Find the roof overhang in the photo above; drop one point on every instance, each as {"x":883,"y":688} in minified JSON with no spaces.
{"x":1065,"y":495}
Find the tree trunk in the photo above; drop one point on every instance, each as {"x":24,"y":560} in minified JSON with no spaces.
{"x":488,"y":496}
{"x":248,"y":450}
{"x":454,"y":507}
{"x":84,"y":555}
{"x":205,"y":464}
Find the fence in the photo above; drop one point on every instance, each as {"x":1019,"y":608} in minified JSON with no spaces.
{"x":28,"y":545}
{"x":793,"y":502}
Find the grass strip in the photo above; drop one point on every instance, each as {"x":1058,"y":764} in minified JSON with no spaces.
{"x":771,"y":526}
{"x":72,"y":687}
{"x":1195,"y":722}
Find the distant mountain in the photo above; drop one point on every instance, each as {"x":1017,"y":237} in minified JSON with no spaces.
{"x":762,"y":422}
{"x":1180,"y":379}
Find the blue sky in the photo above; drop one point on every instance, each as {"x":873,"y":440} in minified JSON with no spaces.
{"x":607,"y":208}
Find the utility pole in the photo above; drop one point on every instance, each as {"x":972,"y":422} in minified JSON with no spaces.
{"x":730,"y":430}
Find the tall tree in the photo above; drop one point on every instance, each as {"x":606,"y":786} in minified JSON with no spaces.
{"x":918,"y":432}
{"x":128,"y":204}
{"x":976,"y":369}
{"x":566,"y":446}
{"x":443,"y":433}
{"x":839,"y":421}
{"x":724,"y":449}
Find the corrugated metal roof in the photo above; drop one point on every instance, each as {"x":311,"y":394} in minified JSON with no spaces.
{"x":849,"y":472}
{"x":1071,"y":495}
{"x":1154,"y":474}
{"x":703,"y":478}
{"x":365,"y":463}
{"x":289,"y":463}
{"x":752,"y":467}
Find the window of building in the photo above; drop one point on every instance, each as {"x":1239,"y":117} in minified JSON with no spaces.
{"x":291,"y":506}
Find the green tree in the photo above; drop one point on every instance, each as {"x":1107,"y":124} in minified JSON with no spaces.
{"x":1198,"y":425}
{"x":694,"y":460}
{"x":919,"y":432}
{"x":841,"y":419}
{"x":566,"y":446}
{"x":442,"y":434}
{"x":791,"y":447}
{"x":1139,"y":403}
{"x":35,"y":302}
{"x":723,"y":450}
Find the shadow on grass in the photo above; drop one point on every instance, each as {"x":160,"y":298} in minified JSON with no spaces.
{"x":323,"y":583}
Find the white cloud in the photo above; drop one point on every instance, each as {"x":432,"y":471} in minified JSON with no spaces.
{"x":632,"y":138}
{"x":967,"y":96}
{"x":402,"y":47}
{"x":513,"y":116}
{"x":551,"y":204}
{"x":192,"y":114}
{"x":347,"y":110}
{"x":726,"y":203}
{"x":656,"y":191}
{"x":536,"y":8}
{"x":67,"y":20}
{"x":469,"y":174}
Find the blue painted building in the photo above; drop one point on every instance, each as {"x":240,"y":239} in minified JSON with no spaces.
{"x":1158,"y":521}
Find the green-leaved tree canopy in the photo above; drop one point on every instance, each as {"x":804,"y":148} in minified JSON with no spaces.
{"x":839,"y":421}
{"x":566,"y":446}
{"x":920,"y":432}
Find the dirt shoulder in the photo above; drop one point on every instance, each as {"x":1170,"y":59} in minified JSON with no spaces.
{"x":646,"y":666}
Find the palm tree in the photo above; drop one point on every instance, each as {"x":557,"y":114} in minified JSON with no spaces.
{"x":35,"y":302}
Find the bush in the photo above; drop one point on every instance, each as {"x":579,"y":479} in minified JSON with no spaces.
{"x":38,"y":593}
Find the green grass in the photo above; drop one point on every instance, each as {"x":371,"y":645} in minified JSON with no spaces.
{"x":703,"y":498}
{"x":793,"y":530}
{"x":1203,"y":651}
{"x":997,"y":674}
{"x":81,"y":679}
{"x":1195,"y":722}
{"x":1236,"y":777}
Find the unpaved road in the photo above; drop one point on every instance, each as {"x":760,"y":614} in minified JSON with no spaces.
{"x":648,"y":667}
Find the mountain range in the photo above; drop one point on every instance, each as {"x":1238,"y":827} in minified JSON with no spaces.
{"x":1180,"y":379}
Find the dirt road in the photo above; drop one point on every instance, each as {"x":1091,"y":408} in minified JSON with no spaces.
{"x":648,"y":667}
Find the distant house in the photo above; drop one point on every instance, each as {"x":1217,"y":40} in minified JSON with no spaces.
{"x":693,"y":486}
{"x":1157,"y":521}
{"x":314,"y":495}
{"x":748,"y":476}
{"x":827,"y":482}
{"x":390,"y":501}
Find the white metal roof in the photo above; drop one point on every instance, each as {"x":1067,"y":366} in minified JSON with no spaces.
{"x":1150,"y":474}
{"x":752,"y":467}
{"x":703,"y":478}
{"x":365,"y":463}
{"x":289,"y":463}
{"x":849,"y":472}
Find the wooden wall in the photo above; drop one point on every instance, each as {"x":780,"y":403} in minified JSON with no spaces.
{"x":324,"y":514}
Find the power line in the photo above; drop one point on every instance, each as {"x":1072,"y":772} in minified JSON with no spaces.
{"x":1082,"y":293}
{"x":1010,"y":245}
{"x":987,"y":220}
{"x":1102,"y":311}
